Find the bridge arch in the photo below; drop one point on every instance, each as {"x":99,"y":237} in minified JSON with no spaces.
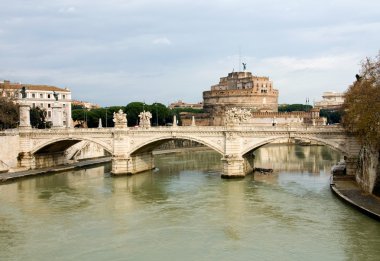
{"x":61,"y":144}
{"x":149,"y":145}
{"x":330,"y":143}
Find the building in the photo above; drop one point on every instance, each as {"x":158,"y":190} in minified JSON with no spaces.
{"x":256,"y":94}
{"x":41,"y":96}
{"x":181,"y":104}
{"x":84,"y":104}
{"x":240,"y":90}
{"x":331,"y":101}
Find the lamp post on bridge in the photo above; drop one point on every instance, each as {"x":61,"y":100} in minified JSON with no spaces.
{"x":156,"y":113}
{"x":106,"y":118}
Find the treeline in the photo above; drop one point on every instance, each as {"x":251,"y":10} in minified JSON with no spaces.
{"x":161,"y":115}
{"x":294,"y":107}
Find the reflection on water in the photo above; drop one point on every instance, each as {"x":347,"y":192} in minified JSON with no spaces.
{"x":184,"y":210}
{"x":310,"y":159}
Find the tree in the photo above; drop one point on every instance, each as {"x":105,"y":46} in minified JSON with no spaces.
{"x":332,"y":116}
{"x":294,"y":107}
{"x":9,"y":114}
{"x":160,"y":114}
{"x":77,"y":107}
{"x":133,"y":110}
{"x":38,"y":118}
{"x":362,"y":104}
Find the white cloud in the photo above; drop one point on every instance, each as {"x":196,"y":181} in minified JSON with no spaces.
{"x":162,"y":41}
{"x":67,"y":10}
{"x":321,"y":63}
{"x":338,"y":32}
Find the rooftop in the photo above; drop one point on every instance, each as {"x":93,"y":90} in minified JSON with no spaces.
{"x":16,"y":86}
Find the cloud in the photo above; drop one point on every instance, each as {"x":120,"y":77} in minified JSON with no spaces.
{"x":178,"y":49}
{"x":320,"y":63}
{"x":162,"y":41}
{"x":67,"y":10}
{"x":334,"y":33}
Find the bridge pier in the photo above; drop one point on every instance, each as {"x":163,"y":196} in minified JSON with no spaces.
{"x":26,"y":160}
{"x":132,"y":164}
{"x":235,"y":166}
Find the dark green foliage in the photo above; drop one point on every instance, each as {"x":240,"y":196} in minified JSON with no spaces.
{"x":91,"y":117}
{"x":133,"y":110}
{"x":9,"y":114}
{"x":294,"y":107}
{"x":77,"y":107}
{"x":161,"y":115}
{"x":192,"y":110}
{"x":38,"y":118}
{"x":333,"y":116}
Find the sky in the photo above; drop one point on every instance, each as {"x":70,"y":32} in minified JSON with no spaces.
{"x":117,"y":51}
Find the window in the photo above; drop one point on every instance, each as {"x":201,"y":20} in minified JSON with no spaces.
{"x":41,"y":95}
{"x":49,"y":105}
{"x":41,"y":105}
{"x":64,"y":105}
{"x":48,"y":96}
{"x":63,"y":96}
{"x":33,"y":95}
{"x":49,"y":114}
{"x":33,"y":105}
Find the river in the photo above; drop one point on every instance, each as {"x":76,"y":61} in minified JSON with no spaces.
{"x":183,"y":210}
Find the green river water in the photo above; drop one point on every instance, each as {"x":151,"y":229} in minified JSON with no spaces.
{"x":184,"y":211}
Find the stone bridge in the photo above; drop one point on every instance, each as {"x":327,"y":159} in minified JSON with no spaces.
{"x":131,"y":148}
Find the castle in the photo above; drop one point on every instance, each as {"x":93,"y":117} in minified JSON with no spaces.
{"x":240,"y":90}
{"x":253,"y":93}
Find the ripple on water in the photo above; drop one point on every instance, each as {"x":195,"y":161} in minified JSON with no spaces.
{"x":65,"y":201}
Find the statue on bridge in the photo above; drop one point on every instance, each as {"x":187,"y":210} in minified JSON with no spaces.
{"x":23,"y":92}
{"x":120,"y":119}
{"x":55,"y":95}
{"x":235,"y":116}
{"x":145,"y":117}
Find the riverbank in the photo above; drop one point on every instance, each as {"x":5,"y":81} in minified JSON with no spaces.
{"x":347,"y":189}
{"x":11,"y":176}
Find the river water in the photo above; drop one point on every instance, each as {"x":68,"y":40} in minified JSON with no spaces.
{"x":184,"y":211}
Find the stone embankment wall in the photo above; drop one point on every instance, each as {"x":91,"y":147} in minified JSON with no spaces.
{"x":368,"y":175}
{"x":9,"y":148}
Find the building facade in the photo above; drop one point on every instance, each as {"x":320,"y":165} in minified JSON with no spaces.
{"x":331,"y":101}
{"x":41,"y":96}
{"x":84,"y":104}
{"x":181,"y":104}
{"x":240,"y":90}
